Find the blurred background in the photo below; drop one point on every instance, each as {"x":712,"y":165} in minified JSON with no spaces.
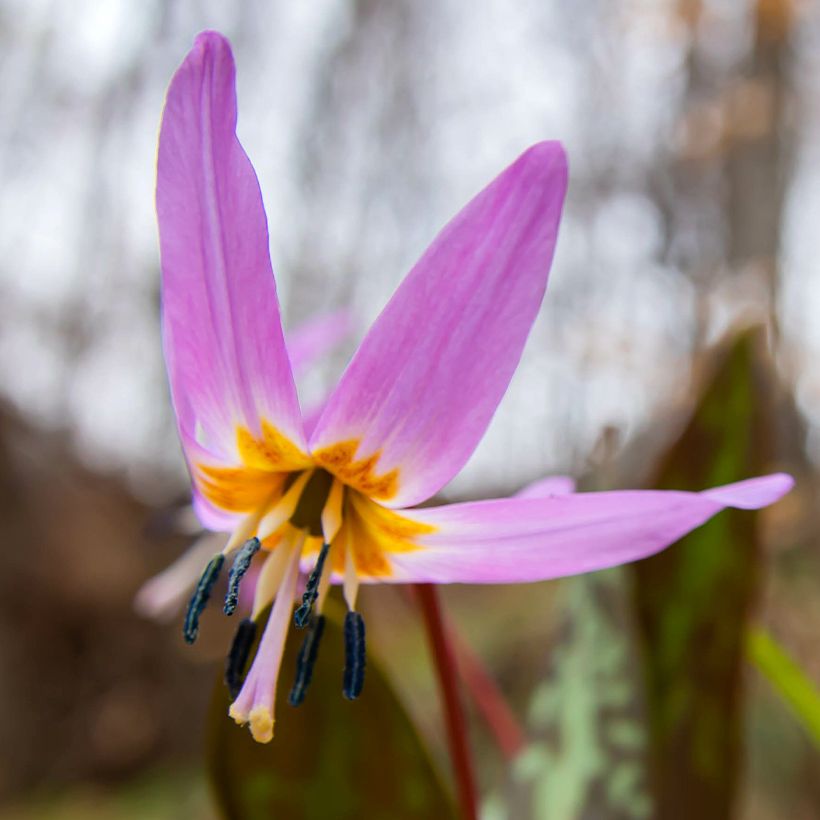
{"x":680,"y":325}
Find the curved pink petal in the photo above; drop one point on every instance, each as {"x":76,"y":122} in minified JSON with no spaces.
{"x":531,"y":539}
{"x":423,"y":386}
{"x":224,"y":348}
{"x":316,"y":337}
{"x":210,"y":516}
{"x":552,"y":485}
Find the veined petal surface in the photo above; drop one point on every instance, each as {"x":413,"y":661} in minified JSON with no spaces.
{"x":422,"y":388}
{"x":533,"y":539}
{"x":222,"y":333}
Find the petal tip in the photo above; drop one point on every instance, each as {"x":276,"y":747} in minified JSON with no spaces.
{"x":210,"y":39}
{"x":548,"y":157}
{"x":781,"y":483}
{"x":753,"y":493}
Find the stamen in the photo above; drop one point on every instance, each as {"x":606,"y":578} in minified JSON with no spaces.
{"x":332,"y":511}
{"x":306,"y":660}
{"x":238,"y":656}
{"x":164,"y":595}
{"x":199,"y":600}
{"x":324,"y":588}
{"x":284,"y":508}
{"x":240,"y":567}
{"x":302,"y":614}
{"x":247,"y":527}
{"x":350,"y":582}
{"x":354,"y":656}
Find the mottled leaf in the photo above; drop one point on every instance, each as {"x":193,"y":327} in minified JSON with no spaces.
{"x":330,"y":757}
{"x":587,"y":755}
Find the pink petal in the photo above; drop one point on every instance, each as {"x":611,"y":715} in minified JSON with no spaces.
{"x":752,"y":493}
{"x":531,"y":539}
{"x":312,"y":416}
{"x":316,"y":337}
{"x":162,"y":596}
{"x":224,"y":347}
{"x":552,"y":485}
{"x":428,"y":377}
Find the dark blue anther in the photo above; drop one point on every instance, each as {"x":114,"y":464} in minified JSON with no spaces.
{"x":302,"y":615}
{"x":243,"y":559}
{"x":238,"y":656}
{"x":199,"y":600}
{"x":306,"y":660}
{"x":354,"y":655}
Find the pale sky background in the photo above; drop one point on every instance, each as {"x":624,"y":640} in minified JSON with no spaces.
{"x":369,"y":125}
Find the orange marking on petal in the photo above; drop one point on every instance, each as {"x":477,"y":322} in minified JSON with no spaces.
{"x":273,"y":451}
{"x":266,"y":461}
{"x":373,"y":533}
{"x":340,"y":459}
{"x":237,"y":489}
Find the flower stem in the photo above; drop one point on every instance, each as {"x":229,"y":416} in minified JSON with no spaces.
{"x":451,"y":700}
{"x":488,"y":699}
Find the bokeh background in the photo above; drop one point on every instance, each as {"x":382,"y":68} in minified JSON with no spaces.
{"x":692,"y":128}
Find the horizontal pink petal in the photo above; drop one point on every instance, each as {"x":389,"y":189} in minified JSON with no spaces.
{"x":310,"y":341}
{"x":222,"y":333}
{"x":753,"y":493}
{"x":532,"y":539}
{"x":428,"y":377}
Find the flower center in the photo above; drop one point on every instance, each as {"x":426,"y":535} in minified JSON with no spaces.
{"x":313,"y":500}
{"x":317,"y":512}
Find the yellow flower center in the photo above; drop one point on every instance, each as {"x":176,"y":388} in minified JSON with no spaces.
{"x":330,"y":495}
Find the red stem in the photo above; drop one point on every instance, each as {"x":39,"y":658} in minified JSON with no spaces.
{"x":488,"y":699}
{"x":453,"y":710}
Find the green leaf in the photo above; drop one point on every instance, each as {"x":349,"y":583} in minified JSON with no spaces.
{"x":589,"y":741}
{"x":330,"y":757}
{"x":694,"y":598}
{"x":787,"y":679}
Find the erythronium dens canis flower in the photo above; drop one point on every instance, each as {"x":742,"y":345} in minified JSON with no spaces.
{"x":407,"y":413}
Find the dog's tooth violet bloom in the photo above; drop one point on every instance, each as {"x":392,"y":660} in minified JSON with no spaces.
{"x":406,"y":415}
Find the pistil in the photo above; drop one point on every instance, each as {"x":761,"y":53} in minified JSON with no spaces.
{"x":255,"y":702}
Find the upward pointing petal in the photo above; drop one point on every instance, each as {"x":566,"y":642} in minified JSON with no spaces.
{"x":428,"y":377}
{"x":224,"y":347}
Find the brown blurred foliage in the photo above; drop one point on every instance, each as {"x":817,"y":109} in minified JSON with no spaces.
{"x":88,"y":690}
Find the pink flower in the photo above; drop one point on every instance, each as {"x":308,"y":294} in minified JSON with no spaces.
{"x":409,"y":410}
